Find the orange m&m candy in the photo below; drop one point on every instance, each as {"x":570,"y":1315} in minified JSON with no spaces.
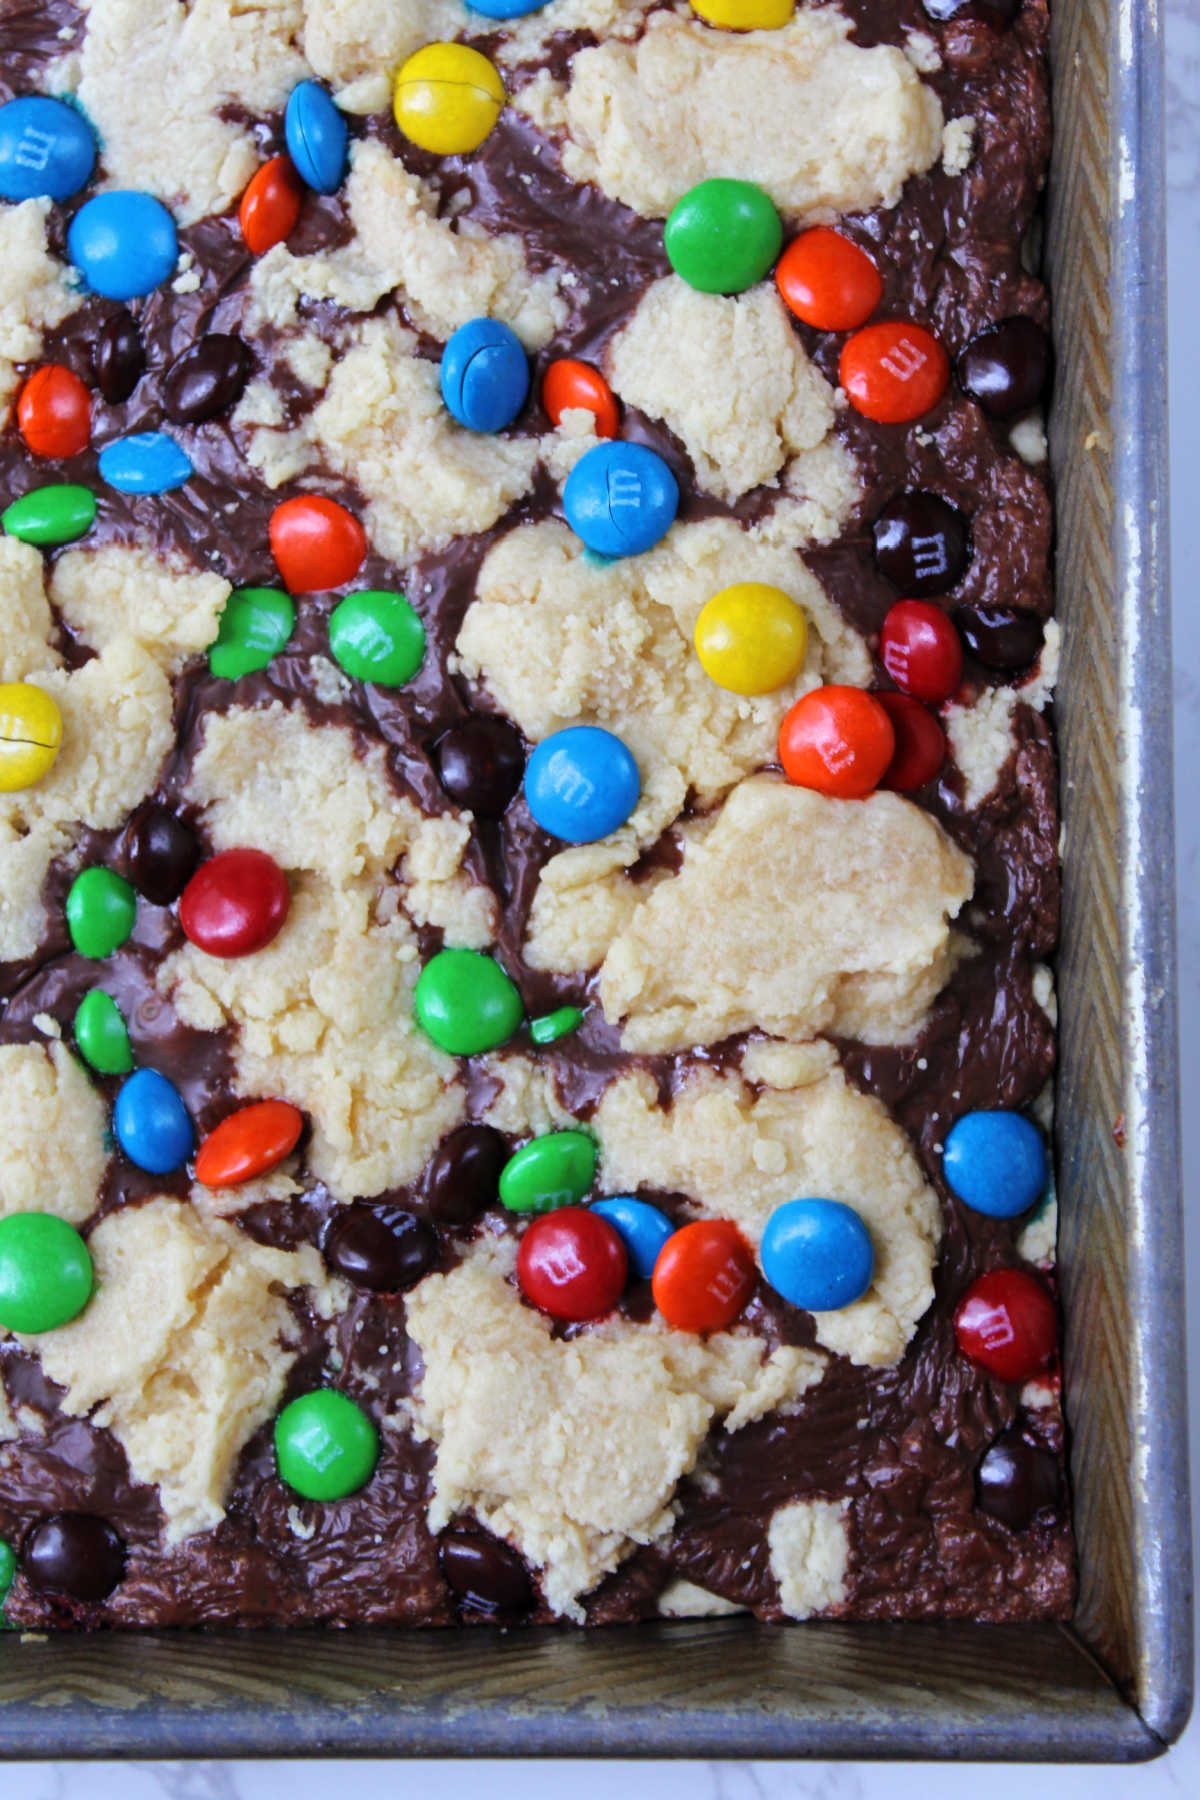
{"x":704,"y":1276}
{"x":316,"y":543}
{"x":894,"y":371}
{"x":270,"y":205}
{"x":827,"y":281}
{"x":249,"y":1143}
{"x":568,"y":384}
{"x":55,"y":412}
{"x":837,"y":740}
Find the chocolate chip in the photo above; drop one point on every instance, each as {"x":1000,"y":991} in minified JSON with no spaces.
{"x":486,"y":1574}
{"x":118,"y":357}
{"x":1001,"y":637}
{"x":163,"y":853}
{"x":464,"y":1175}
{"x":1006,"y":368}
{"x":1016,"y":1481}
{"x":480,"y":764}
{"x":382,"y":1248}
{"x":206,"y":380}
{"x":76,"y":1554}
{"x":922,"y":544}
{"x":988,"y":12}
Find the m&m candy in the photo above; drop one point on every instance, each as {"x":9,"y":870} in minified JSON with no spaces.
{"x":270,"y":205}
{"x":151,"y":1123}
{"x":255,"y":626}
{"x":118,"y":357}
{"x":149,"y":462}
{"x":207,"y":379}
{"x":249,"y":1143}
{"x":1007,"y":1323}
{"x":377,"y":636}
{"x":480,"y":763}
{"x":620,"y":499}
{"x":45,"y":1272}
{"x":894,"y":371}
{"x":723,"y":236}
{"x":642,"y":1228}
{"x":8,"y":1568}
{"x":466,"y":1002}
{"x":554,"y":1170}
{"x":704,"y":1276}
{"x":47,"y":149}
{"x":1005,"y":638}
{"x":235,"y":903}
{"x":745,"y":15}
{"x":50,"y":515}
{"x":1006,"y":369}
{"x":447,"y":98}
{"x":554,"y":1025}
{"x":827,"y":281}
{"x":101,"y":911}
{"x":382,"y":1248}
{"x":505,"y":9}
{"x":54,"y":412}
{"x":484,"y":375}
{"x":74,"y":1553}
{"x":922,"y":544}
{"x":751,"y":638}
{"x":486,"y":1576}
{"x":921,"y":650}
{"x":920,"y":744}
{"x":996,"y":1163}
{"x":581,"y":784}
{"x":837,"y":740}
{"x":1017,"y":1480}
{"x":325,"y":1446}
{"x":101,"y":1034}
{"x":162,"y":852}
{"x":572,"y":1264}
{"x":316,"y":543}
{"x":30,"y":735}
{"x":316,"y":136}
{"x":817,"y":1254}
{"x":123,"y":243}
{"x":569,"y":385}
{"x":463,"y":1179}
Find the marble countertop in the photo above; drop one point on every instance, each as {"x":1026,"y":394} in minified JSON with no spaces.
{"x":1179,"y":1771}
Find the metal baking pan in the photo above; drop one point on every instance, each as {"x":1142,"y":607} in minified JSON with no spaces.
{"x":1116,"y":1685}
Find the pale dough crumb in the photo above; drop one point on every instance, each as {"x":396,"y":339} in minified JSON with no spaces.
{"x":958,"y":145}
{"x":54,"y":1133}
{"x":810,"y":1552}
{"x":682,"y":1599}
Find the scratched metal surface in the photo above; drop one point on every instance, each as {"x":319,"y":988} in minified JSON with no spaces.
{"x":1117,"y":1685}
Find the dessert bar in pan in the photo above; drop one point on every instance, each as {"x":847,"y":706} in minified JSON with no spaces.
{"x":527,"y":814}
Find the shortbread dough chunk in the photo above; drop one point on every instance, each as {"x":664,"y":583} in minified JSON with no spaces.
{"x":54,"y":1131}
{"x":810,"y":1552}
{"x":33,"y":290}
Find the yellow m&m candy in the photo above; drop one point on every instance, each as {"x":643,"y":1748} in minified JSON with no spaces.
{"x":745,"y":15}
{"x":751,"y":638}
{"x":448,"y":97}
{"x":30,"y":734}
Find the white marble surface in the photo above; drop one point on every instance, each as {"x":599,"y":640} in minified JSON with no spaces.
{"x":1178,"y":1773}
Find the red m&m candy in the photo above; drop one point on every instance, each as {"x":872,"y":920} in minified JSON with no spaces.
{"x":316,"y":543}
{"x":837,"y":740}
{"x":235,"y":903}
{"x":248,"y":1143}
{"x":569,"y":384}
{"x":572,"y":1264}
{"x":920,"y":744}
{"x":704,"y":1276}
{"x":1007,"y":1323}
{"x":270,"y":205}
{"x":921,"y":650}
{"x":55,"y":412}
{"x":894,"y":371}
{"x":827,"y":281}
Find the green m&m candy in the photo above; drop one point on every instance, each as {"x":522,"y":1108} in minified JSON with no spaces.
{"x":723,"y":236}
{"x":101,"y":1035}
{"x":45,"y":1272}
{"x":554,"y":1025}
{"x":555,"y":1170}
{"x":254,"y":627}
{"x":325,"y":1446}
{"x":50,"y":515}
{"x":8,"y":1568}
{"x":101,"y":910}
{"x":466,"y":1003}
{"x":376,"y":636}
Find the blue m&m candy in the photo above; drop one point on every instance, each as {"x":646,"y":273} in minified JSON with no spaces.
{"x":148,"y":462}
{"x":620,"y":498}
{"x":485,"y":375}
{"x":47,"y":150}
{"x":505,"y":9}
{"x":152,"y":1124}
{"x":316,"y":137}
{"x":996,"y":1163}
{"x":642,"y":1228}
{"x":817,"y":1254}
{"x":123,"y":243}
{"x":581,"y":783}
